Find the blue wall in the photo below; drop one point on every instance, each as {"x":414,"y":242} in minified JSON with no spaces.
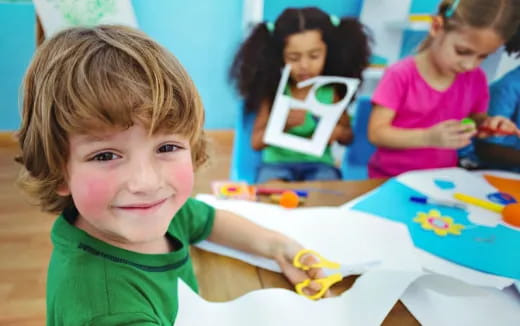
{"x":204,"y":36}
{"x":17,"y":43}
{"x":273,"y":8}
{"x":424,"y":6}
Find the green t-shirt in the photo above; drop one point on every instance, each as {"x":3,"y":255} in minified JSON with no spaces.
{"x":275,"y":154}
{"x":90,"y":282}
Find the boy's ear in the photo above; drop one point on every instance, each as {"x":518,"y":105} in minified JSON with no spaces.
{"x":63,"y":189}
{"x":437,"y":25}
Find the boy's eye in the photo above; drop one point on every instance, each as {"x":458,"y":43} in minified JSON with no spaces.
{"x":168,"y":148}
{"x":105,"y":156}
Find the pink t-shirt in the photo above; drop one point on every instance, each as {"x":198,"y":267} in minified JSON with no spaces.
{"x":418,"y":105}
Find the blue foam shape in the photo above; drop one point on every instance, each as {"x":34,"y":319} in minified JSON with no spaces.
{"x":487,"y":249}
{"x":444,"y":184}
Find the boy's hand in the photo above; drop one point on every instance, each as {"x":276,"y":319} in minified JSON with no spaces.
{"x":492,"y":126}
{"x":449,"y":134}
{"x":295,"y":275}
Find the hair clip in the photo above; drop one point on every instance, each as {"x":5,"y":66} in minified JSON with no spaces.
{"x":334,"y":20}
{"x":452,"y":8}
{"x":270,"y":27}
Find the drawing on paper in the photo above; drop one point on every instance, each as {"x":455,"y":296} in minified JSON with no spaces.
{"x":441,"y":225}
{"x":84,"y":12}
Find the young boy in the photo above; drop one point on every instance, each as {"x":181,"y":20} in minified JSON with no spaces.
{"x":110,"y":137}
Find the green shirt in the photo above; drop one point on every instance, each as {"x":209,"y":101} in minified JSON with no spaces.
{"x":275,"y":154}
{"x":90,"y":282}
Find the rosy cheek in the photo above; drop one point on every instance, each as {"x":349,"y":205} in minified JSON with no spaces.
{"x":182,"y":177}
{"x":93,"y":194}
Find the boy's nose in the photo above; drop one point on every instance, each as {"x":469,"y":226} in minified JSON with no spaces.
{"x":143,"y":177}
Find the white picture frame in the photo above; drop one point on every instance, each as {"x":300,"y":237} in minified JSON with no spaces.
{"x":328,"y":114}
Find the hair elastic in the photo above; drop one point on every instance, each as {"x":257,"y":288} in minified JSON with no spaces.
{"x":334,"y":20}
{"x":452,"y":9}
{"x":269,"y":26}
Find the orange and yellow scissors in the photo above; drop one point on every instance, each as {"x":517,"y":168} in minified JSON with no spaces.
{"x":325,"y":282}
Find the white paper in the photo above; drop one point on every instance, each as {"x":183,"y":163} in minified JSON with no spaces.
{"x":346,"y":237}
{"x":328,"y":114}
{"x":438,"y":300}
{"x":366,"y":303}
{"x":438,"y":265}
{"x":469,"y":183}
{"x":465,"y":183}
{"x":56,"y":15}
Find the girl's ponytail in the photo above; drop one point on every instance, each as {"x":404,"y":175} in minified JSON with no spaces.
{"x":253,"y":65}
{"x":349,"y":49}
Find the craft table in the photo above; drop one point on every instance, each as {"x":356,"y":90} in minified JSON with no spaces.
{"x":222,"y":278}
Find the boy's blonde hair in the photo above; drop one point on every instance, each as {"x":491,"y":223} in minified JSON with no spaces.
{"x":90,"y":80}
{"x":503,"y":16}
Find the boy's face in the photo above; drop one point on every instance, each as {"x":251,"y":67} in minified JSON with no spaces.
{"x":464,"y":49}
{"x":127,"y":185}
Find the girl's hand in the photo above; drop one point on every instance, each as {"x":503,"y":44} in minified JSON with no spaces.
{"x":498,"y":123}
{"x":449,"y":134}
{"x":295,"y":275}
{"x":295,"y":118}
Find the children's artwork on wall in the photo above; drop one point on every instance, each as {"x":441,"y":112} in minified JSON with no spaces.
{"x":475,"y":237}
{"x":56,"y":15}
{"x":326,"y":114}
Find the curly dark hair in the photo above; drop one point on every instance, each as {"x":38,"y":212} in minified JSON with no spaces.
{"x":257,"y":66}
{"x":513,"y":45}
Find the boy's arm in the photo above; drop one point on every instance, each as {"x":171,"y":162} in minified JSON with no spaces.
{"x":234,"y":231}
{"x":497,"y":154}
{"x":239,"y":233}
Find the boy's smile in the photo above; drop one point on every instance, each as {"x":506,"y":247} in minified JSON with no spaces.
{"x":142,"y":206}
{"x":128,"y":185}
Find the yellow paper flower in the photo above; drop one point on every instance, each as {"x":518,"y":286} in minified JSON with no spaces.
{"x":441,"y":225}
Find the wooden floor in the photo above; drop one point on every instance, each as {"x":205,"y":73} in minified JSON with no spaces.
{"x":24,"y":233}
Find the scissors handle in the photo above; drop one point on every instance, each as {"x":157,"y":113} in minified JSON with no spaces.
{"x":325,"y":283}
{"x":322,"y":262}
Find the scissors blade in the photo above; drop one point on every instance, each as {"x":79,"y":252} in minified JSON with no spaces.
{"x":354,"y":269}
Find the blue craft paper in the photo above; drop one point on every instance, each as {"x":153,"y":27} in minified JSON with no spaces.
{"x":500,"y":256}
{"x":444,"y":184}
